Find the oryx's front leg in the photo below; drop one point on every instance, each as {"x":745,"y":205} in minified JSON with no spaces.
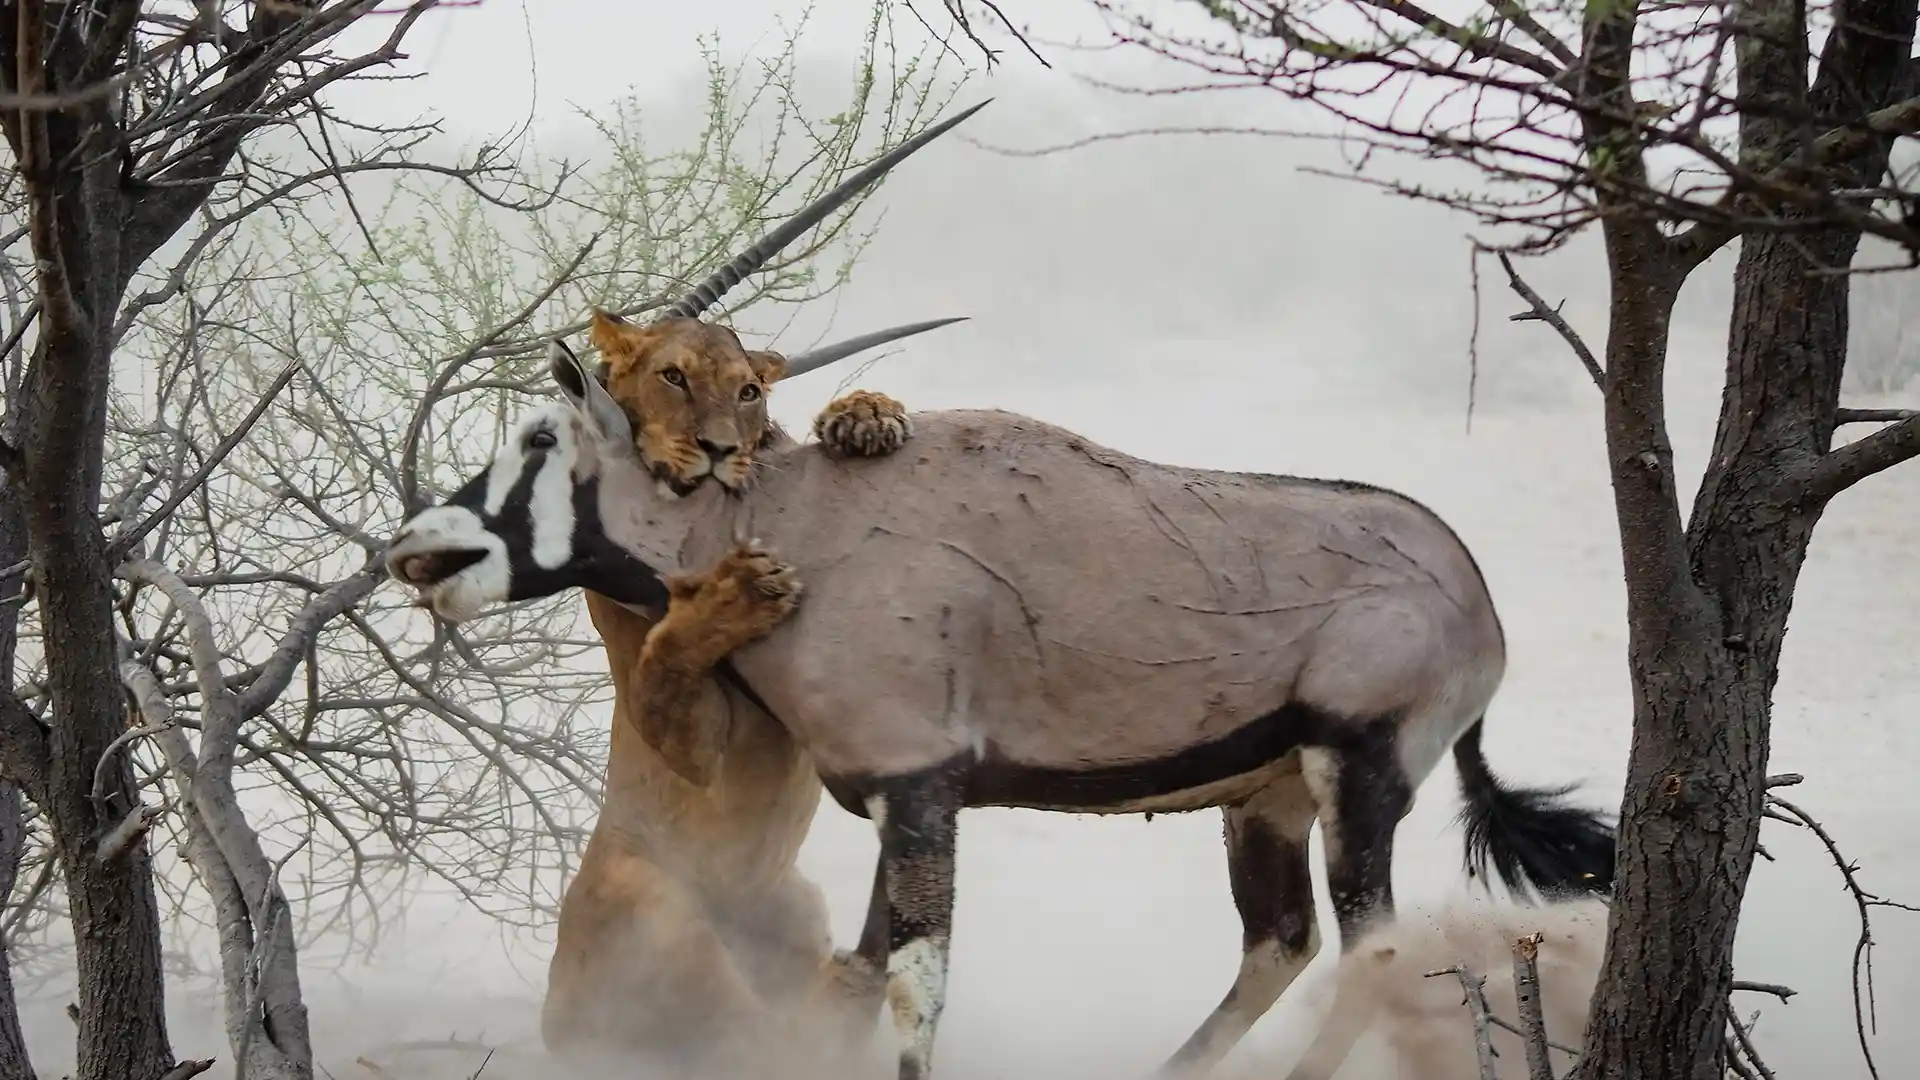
{"x":916,"y":817}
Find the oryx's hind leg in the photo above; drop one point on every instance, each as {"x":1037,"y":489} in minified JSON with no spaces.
{"x":916,"y":818}
{"x":1362,"y":793}
{"x":1273,"y":889}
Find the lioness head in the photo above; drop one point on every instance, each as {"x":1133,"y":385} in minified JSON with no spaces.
{"x":697,"y":398}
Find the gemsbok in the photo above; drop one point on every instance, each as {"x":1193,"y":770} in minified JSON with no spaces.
{"x":1006,"y":614}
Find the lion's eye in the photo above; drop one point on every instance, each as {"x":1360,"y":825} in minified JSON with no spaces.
{"x":674,"y":378}
{"x":749,"y":392}
{"x":542,"y":440}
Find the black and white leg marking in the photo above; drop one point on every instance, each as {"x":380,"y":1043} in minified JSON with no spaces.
{"x":916,"y":820}
{"x":1362,"y":794}
{"x":1273,"y":890}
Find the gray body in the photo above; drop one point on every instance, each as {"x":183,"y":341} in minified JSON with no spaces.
{"x":1004,"y":592}
{"x":1003,"y":613}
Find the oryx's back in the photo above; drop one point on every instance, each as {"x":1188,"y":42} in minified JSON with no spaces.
{"x":1103,"y":590}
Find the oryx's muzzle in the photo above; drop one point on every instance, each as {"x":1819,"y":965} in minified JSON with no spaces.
{"x":447,"y":554}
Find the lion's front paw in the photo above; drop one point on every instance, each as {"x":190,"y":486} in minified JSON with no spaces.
{"x":865,"y":423}
{"x":749,"y":591}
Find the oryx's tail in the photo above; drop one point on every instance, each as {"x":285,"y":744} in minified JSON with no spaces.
{"x":1532,"y":836}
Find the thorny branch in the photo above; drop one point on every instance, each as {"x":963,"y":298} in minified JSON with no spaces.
{"x":1538,"y":310}
{"x":1863,"y":1012}
{"x":1743,"y":1058}
{"x":1476,"y":1002}
{"x":1838,"y":470}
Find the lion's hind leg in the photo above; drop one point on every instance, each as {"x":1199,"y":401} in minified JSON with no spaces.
{"x":639,"y":968}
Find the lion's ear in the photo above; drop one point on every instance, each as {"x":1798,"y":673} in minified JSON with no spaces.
{"x":770,"y":366}
{"x":615,"y":336}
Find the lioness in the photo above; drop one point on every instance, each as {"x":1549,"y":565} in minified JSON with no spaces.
{"x":688,"y":925}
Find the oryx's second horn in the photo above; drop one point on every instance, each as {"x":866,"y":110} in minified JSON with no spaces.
{"x":815,"y":359}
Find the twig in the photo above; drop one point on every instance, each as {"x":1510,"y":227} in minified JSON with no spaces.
{"x":120,"y":839}
{"x":124,"y":543}
{"x":100,"y":771}
{"x":1744,"y":1038}
{"x":1781,"y":992}
{"x":187,"y":1069}
{"x":1505,"y":1025}
{"x":1540,"y":312}
{"x":1526,"y":992}
{"x":1870,"y":416}
{"x":1476,"y":1002}
{"x":1863,"y":1011}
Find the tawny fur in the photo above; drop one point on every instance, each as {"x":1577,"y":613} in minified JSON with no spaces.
{"x":1380,"y":987}
{"x":864,"y":423}
{"x":688,"y":932}
{"x":682,"y":381}
{"x":709,"y":614}
{"x":687,"y":924}
{"x":698,"y":399}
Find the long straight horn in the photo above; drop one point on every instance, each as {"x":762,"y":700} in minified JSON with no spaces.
{"x":840,"y":350}
{"x":711,"y":290}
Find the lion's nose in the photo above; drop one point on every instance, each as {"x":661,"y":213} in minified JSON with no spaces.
{"x":715,"y":450}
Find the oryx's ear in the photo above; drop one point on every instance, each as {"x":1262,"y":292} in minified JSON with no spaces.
{"x":587,"y":396}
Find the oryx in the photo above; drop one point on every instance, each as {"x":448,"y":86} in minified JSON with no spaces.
{"x":1006,"y":614}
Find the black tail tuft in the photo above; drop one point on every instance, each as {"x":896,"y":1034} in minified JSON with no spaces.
{"x":1531,"y":835}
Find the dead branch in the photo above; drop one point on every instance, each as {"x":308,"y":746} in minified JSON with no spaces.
{"x":1539,"y":311}
{"x":1872,"y":416}
{"x":1526,"y":990}
{"x":120,"y":839}
{"x":158,"y":708}
{"x":1747,"y":1053}
{"x":1476,"y":1002}
{"x":1781,"y":992}
{"x":187,"y":1069}
{"x":1864,"y":902}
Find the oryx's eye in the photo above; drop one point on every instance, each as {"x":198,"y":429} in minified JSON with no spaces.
{"x":674,"y":378}
{"x":542,"y":440}
{"x":749,"y":392}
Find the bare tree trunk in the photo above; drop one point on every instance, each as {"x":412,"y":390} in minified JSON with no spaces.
{"x":14,"y":1063}
{"x":76,"y":238}
{"x":1707,"y":604}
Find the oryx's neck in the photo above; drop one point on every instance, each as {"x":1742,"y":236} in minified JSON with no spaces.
{"x":673,"y":535}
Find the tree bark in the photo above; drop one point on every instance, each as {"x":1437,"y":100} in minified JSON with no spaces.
{"x":14,"y":1063}
{"x":76,"y":216}
{"x":1707,"y":621}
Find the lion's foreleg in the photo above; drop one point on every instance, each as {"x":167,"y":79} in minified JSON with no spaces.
{"x":678,"y":710}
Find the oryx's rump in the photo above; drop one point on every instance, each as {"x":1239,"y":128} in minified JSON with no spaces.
{"x":1091,"y":629}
